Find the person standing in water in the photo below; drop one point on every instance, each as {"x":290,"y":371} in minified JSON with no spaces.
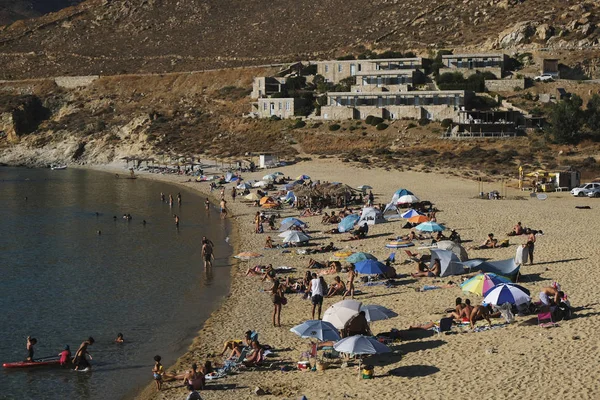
{"x":223,"y":208}
{"x":207,"y":204}
{"x":179,"y":199}
{"x":30,"y":343}
{"x":80,"y":362}
{"x":170,"y":200}
{"x":176,"y":217}
{"x":207,"y":253}
{"x":162,"y":197}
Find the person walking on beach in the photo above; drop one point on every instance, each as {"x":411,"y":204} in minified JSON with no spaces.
{"x":80,"y":362}
{"x":350,"y":284}
{"x":179,"y":199}
{"x":223,"y":193}
{"x":371,"y":198}
{"x":233,"y":194}
{"x":207,"y":204}
{"x":223,"y":208}
{"x":207,"y":253}
{"x":318,"y":291}
{"x":530,"y":246}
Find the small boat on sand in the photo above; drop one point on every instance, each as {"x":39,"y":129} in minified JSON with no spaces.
{"x":57,"y":167}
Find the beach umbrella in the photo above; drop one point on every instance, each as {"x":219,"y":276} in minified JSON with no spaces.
{"x":234,"y":179}
{"x":244,"y":186}
{"x":430,"y":227}
{"x":296,"y":221}
{"x":303,"y":178}
{"x":296,"y":237}
{"x":370,"y":267}
{"x":507,"y":293}
{"x":320,"y":330}
{"x":286,"y":226}
{"x":252,"y":196}
{"x":278,"y":173}
{"x":247,"y":255}
{"x":408,"y":199}
{"x":341,"y":255}
{"x":348,"y":222}
{"x":261,"y":184}
{"x":375,"y":312}
{"x":410,"y":213}
{"x":269,"y":177}
{"x":360,"y":256}
{"x":341,"y":312}
{"x":418,"y":219}
{"x":266,"y":199}
{"x":482,"y":283}
{"x":360,"y":344}
{"x":364,"y":187}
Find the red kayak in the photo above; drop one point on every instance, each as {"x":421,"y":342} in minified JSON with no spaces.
{"x":29,"y":364}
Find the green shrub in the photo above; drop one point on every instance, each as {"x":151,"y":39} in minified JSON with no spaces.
{"x":275,"y":118}
{"x":369,"y":119}
{"x":334,"y":127}
{"x":446,"y":122}
{"x":423,"y":122}
{"x":316,"y":125}
{"x":298,"y":124}
{"x":381,"y":126}
{"x":411,"y":125}
{"x":352,"y":128}
{"x":376,"y":121}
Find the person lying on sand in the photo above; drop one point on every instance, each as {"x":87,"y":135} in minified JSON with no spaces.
{"x":256,"y":270}
{"x":489,"y":243}
{"x":269,"y":273}
{"x":338,"y":287}
{"x":434,"y":271}
{"x":332,"y":231}
{"x":312,"y":263}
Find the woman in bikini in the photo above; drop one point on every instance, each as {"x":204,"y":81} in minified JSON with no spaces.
{"x":194,"y":378}
{"x":338,"y":287}
{"x":350,"y":284}
{"x":277,"y":299}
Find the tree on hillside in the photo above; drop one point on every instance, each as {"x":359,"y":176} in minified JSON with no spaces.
{"x":592,"y":116}
{"x":566,"y":120}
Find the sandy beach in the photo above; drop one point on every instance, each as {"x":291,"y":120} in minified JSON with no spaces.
{"x":521,"y":360}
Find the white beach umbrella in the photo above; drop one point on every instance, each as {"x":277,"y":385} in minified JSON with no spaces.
{"x":408,"y":199}
{"x":321,"y":330}
{"x":269,"y":177}
{"x":341,"y":312}
{"x":360,"y":344}
{"x":244,"y":185}
{"x":296,"y":237}
{"x":507,"y":293}
{"x":374,"y":312}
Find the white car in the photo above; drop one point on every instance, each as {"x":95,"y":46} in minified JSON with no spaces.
{"x":585,"y":189}
{"x":594,"y":193}
{"x":544,"y":78}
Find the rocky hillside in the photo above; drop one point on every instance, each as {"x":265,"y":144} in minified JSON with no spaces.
{"x":129,"y":36}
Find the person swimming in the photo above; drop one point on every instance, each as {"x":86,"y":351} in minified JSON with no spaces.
{"x":119,"y":338}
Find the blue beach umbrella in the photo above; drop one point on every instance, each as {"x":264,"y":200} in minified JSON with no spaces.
{"x":360,"y":256}
{"x":507,"y":293}
{"x":348,"y":222}
{"x":292,"y":221}
{"x":410,"y":213}
{"x":403,"y":192}
{"x":321,"y":330}
{"x":430,"y":227}
{"x":370,"y":267}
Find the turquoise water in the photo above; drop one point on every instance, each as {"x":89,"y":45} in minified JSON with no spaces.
{"x":60,"y":281}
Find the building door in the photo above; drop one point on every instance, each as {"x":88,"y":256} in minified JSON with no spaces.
{"x":352,"y":69}
{"x":272,"y":109}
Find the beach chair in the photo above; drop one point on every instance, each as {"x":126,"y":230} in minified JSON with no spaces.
{"x":391,"y":258}
{"x":545,"y":320}
{"x":445,"y":325}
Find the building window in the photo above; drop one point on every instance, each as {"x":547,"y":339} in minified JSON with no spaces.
{"x":359,"y":67}
{"x":265,"y":106}
{"x":326,"y":68}
{"x":287,"y":106}
{"x":280,"y":105}
{"x":340,"y":67}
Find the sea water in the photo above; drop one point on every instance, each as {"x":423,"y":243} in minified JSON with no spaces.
{"x":69,"y":270}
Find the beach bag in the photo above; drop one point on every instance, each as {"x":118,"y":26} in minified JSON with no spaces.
{"x":562,"y":312}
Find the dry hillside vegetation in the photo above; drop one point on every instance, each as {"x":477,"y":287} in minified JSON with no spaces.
{"x":131,"y":36}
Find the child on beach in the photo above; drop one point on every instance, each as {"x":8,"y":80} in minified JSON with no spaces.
{"x":158,"y":372}
{"x":65,"y":356}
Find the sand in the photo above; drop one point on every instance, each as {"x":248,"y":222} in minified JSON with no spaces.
{"x":521,"y":360}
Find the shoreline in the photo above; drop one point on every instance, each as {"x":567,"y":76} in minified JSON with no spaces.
{"x":149,"y":390}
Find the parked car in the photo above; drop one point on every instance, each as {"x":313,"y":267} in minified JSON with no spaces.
{"x":584,"y":189}
{"x":544,"y":78}
{"x":594,"y":192}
